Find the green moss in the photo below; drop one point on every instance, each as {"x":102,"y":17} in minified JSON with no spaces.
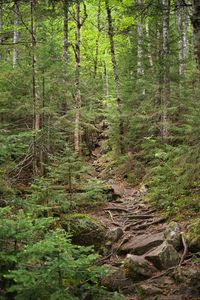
{"x":85,"y":230}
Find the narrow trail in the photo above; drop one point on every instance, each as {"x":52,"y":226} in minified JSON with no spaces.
{"x":137,"y":228}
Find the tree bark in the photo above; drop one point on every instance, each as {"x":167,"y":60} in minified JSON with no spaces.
{"x":183,"y":39}
{"x":37,"y":156}
{"x":115,"y":72}
{"x":79,"y":24}
{"x":1,"y":24}
{"x":66,"y":30}
{"x":97,"y":40}
{"x":196,"y":28}
{"x":15,"y":32}
{"x":166,"y":68}
{"x":140,"y":68}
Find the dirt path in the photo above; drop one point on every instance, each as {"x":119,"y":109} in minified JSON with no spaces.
{"x":133,"y":226}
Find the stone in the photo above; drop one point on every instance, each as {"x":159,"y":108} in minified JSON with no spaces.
{"x":116,"y":280}
{"x":138,"y":268}
{"x":164,"y":256}
{"x":84,"y":230}
{"x":145,"y":290}
{"x":173,"y":235}
{"x":194,"y":243}
{"x":115,"y":234}
{"x":141,"y":244}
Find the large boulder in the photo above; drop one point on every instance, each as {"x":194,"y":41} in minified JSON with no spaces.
{"x":138,"y":268}
{"x":117,"y":280}
{"x":84,"y":230}
{"x":164,"y":256}
{"x":173,"y":235}
{"x":141,"y":244}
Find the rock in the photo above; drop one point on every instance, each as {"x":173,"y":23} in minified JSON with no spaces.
{"x":114,"y":234}
{"x":188,"y":279}
{"x":194,"y":243}
{"x":164,"y":256}
{"x":117,"y":280}
{"x":141,"y":244}
{"x":85,"y":230}
{"x":138,"y":268}
{"x":145,"y":290}
{"x":173,"y":235}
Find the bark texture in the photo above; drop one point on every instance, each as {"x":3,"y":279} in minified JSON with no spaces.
{"x":15,"y":32}
{"x":66,"y":30}
{"x":196,"y":27}
{"x":166,"y":68}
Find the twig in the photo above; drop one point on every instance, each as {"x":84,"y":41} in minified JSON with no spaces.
{"x":185,"y":249}
{"x":111,"y":216}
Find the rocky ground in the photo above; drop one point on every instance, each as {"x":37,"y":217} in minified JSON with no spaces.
{"x":148,"y":256}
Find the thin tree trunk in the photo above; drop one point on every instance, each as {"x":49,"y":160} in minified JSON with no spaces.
{"x":77,"y":83}
{"x":115,"y":72}
{"x":66,"y":30}
{"x":36,"y":102}
{"x":196,"y":27}
{"x":97,"y":40}
{"x":149,"y":45}
{"x":112,"y":50}
{"x":1,"y":24}
{"x":166,"y":78}
{"x":140,"y":68}
{"x":15,"y":33}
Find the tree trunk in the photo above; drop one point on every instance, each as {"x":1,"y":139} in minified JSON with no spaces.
{"x":182,"y":30}
{"x":15,"y":33}
{"x":66,"y":30}
{"x":149,"y":45}
{"x":166,"y":69}
{"x":196,"y":27}
{"x":37,"y":156}
{"x":97,"y":40}
{"x":77,"y":83}
{"x":115,"y":72}
{"x":140,"y":68}
{"x":1,"y":24}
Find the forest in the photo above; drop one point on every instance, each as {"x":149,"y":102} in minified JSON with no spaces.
{"x":99,"y":149}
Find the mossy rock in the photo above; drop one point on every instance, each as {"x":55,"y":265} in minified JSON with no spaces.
{"x":85,"y":230}
{"x":193,"y":237}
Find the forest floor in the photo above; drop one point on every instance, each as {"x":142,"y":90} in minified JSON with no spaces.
{"x":138,"y":228}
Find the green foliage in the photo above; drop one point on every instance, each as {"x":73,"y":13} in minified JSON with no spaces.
{"x":53,"y":268}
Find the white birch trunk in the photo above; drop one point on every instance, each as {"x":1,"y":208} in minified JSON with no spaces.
{"x":149,"y":45}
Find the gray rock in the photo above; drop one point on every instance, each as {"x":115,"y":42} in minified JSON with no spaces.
{"x":194,"y":243}
{"x":147,"y":291}
{"x":164,"y":256}
{"x":138,"y":268}
{"x":115,"y":234}
{"x":116,"y":280}
{"x":141,"y":244}
{"x":173,"y":235}
{"x":85,"y":230}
